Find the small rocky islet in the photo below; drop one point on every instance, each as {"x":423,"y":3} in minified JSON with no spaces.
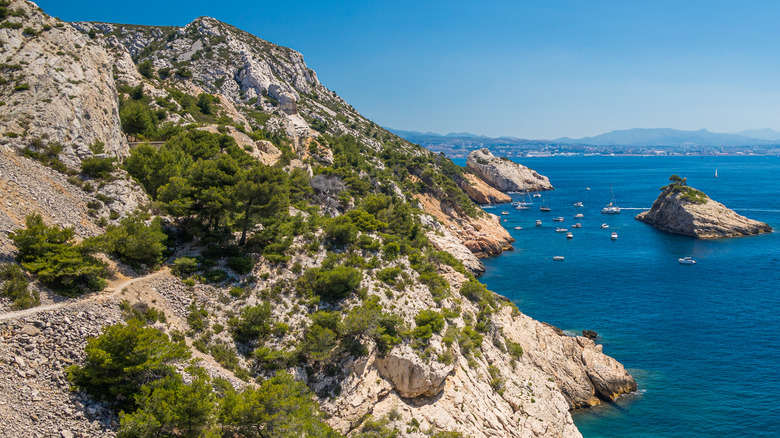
{"x":681,"y":209}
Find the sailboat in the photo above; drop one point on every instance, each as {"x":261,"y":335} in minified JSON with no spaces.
{"x":716,"y":173}
{"x":612,"y":207}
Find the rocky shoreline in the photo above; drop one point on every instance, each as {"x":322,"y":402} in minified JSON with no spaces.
{"x":681,"y":209}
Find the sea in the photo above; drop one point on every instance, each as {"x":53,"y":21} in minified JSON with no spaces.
{"x":699,"y":339}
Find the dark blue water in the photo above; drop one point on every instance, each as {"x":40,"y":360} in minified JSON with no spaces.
{"x":701,"y":340}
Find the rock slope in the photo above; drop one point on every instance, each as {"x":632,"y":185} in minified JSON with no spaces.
{"x":57,"y":86}
{"x":680,"y":209}
{"x":481,"y":193}
{"x":512,"y":376}
{"x":504,"y":174}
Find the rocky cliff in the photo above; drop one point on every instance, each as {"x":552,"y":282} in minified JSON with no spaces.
{"x":481,"y":193}
{"x":485,"y":370}
{"x":504,"y":174}
{"x":56,"y":86}
{"x":680,"y":209}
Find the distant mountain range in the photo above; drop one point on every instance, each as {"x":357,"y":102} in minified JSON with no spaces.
{"x":626,"y":137}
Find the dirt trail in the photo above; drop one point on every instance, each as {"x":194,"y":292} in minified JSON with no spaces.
{"x":113,"y":289}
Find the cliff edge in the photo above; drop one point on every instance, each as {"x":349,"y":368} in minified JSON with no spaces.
{"x":681,"y":209}
{"x":504,"y":174}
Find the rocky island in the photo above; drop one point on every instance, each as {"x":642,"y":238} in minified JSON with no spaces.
{"x":504,"y":174}
{"x":681,"y":209}
{"x":317,"y":266}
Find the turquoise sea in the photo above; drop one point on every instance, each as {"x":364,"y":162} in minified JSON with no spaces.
{"x":700,"y":339}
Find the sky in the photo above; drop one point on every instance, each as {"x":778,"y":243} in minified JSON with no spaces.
{"x":532,"y":69}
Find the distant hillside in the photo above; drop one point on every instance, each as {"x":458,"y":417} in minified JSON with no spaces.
{"x":665,"y":137}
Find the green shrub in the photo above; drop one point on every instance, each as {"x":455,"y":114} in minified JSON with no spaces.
{"x":389,"y":275}
{"x":184,"y":266}
{"x":98,"y":167}
{"x":254,"y":323}
{"x":241,"y":264}
{"x":514,"y":349}
{"x":52,"y":256}
{"x":331,"y":284}
{"x":430,"y":318}
{"x":125,"y":357}
{"x":133,"y":242}
{"x":16,"y":287}
{"x":197,"y":318}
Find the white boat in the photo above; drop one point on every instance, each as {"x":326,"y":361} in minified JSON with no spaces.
{"x":604,"y":226}
{"x":569,"y":235}
{"x":614,"y":235}
{"x":578,"y":204}
{"x":544,"y":209}
{"x":487,"y":207}
{"x":716,"y":175}
{"x":612,"y":207}
{"x":587,"y":188}
{"x":579,"y":215}
{"x":522,"y":207}
{"x":561,"y":230}
{"x":537,"y":195}
{"x":518,"y":228}
{"x":686,"y":261}
{"x":504,"y":213}
{"x":558,"y":219}
{"x":577,"y":225}
{"x":558,"y":258}
{"x":538,"y":223}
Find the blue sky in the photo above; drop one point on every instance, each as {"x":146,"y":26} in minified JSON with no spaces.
{"x":531,"y":69}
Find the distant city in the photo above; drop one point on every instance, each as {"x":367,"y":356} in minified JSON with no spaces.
{"x":632,"y":142}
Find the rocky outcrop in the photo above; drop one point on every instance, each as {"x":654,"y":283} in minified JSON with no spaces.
{"x":680,"y":209}
{"x":504,"y":174}
{"x":410,"y":375}
{"x":481,"y":193}
{"x":482,"y":235}
{"x":61,"y":88}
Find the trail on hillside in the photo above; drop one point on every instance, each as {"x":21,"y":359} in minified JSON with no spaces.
{"x":113,"y":289}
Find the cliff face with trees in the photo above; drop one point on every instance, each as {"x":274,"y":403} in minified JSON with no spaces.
{"x":318,"y":275}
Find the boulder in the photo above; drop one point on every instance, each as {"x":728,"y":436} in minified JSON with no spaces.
{"x":409,"y":375}
{"x":681,"y":209}
{"x":504,"y":174}
{"x":608,"y":377}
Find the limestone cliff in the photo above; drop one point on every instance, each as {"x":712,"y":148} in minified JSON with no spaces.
{"x":504,"y":174}
{"x":481,"y":193}
{"x":680,"y":209}
{"x":56,"y":86}
{"x":488,"y":371}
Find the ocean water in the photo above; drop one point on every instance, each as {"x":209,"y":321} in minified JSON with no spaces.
{"x":700,"y":339}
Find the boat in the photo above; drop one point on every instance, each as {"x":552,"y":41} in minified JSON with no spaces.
{"x":545,"y":207}
{"x":587,"y":188}
{"x":504,"y":213}
{"x":537,"y":195}
{"x":612,"y":207}
{"x":558,"y":219}
{"x":579,"y":216}
{"x":522,"y":207}
{"x":604,"y":226}
{"x":538,"y":223}
{"x":569,"y":235}
{"x":716,"y":175}
{"x":614,"y":235}
{"x":578,"y":204}
{"x":558,"y":258}
{"x":561,"y":230}
{"x":577,"y":225}
{"x":686,"y":261}
{"x":518,"y":228}
{"x":488,"y":207}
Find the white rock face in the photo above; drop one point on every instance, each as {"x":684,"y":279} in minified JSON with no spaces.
{"x":505,"y":175}
{"x":410,"y":376}
{"x":70,"y":96}
{"x":673,"y":213}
